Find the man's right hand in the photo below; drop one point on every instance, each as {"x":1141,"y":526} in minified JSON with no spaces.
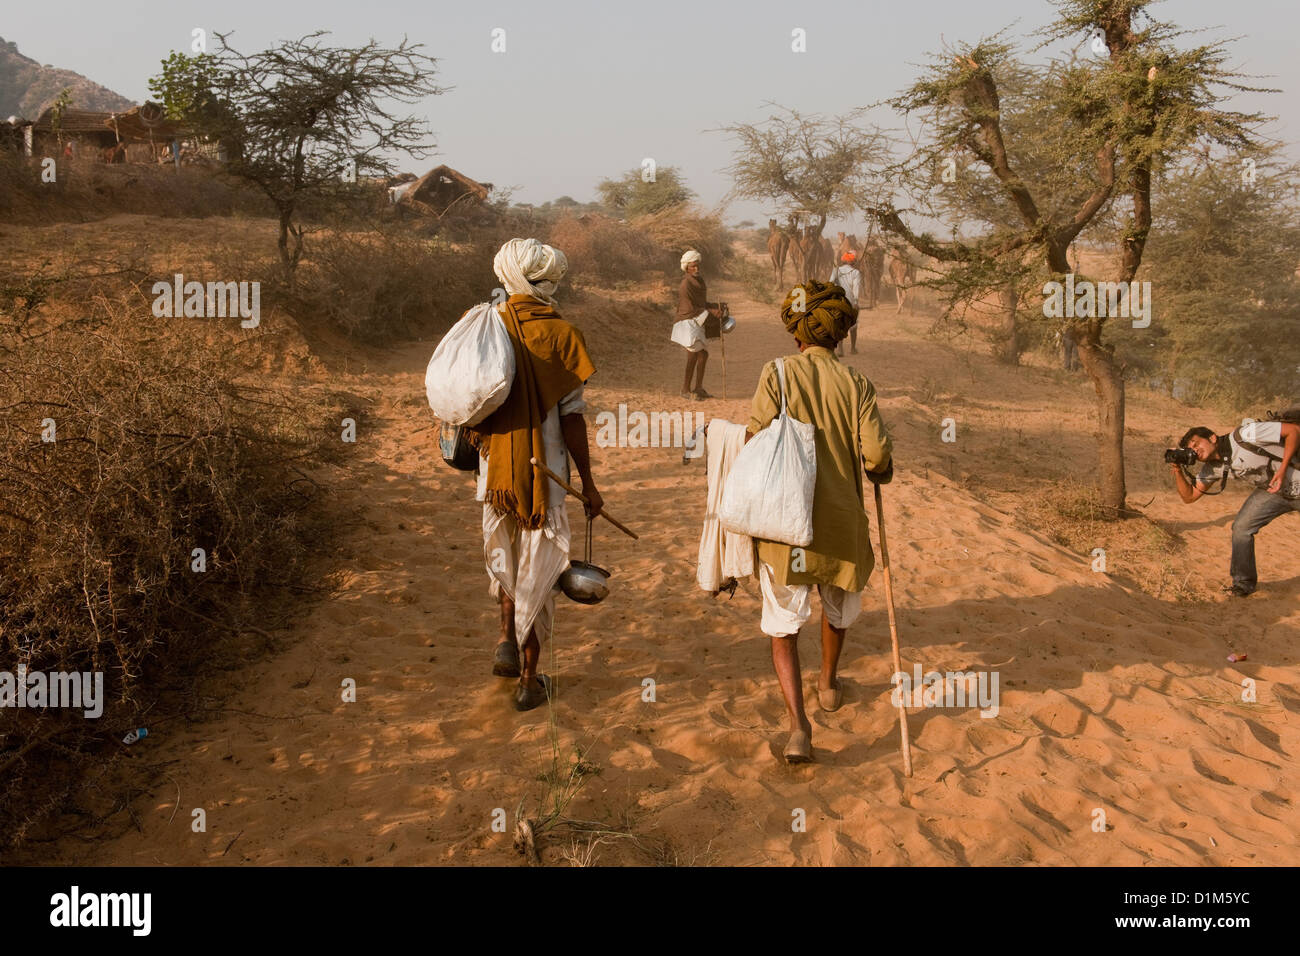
{"x":882,"y":477}
{"x":594,"y":502}
{"x":1186,"y":490}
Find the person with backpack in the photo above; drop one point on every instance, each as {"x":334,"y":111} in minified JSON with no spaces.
{"x":1260,"y":452}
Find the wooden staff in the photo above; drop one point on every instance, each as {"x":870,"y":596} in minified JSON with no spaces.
{"x":581,"y":497}
{"x":893,"y":632}
{"x":723,"y":332}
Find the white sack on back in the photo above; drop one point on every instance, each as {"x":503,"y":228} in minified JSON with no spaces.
{"x":769,"y":493}
{"x":472,"y":368}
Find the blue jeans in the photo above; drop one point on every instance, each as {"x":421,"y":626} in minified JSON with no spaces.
{"x":1258,"y":510}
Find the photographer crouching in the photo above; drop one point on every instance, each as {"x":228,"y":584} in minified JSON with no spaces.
{"x":1262,"y":453}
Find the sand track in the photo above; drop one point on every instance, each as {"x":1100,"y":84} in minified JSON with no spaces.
{"x":1110,"y":699}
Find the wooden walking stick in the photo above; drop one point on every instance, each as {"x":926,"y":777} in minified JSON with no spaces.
{"x":723,"y":344}
{"x":581,"y":497}
{"x":893,"y":632}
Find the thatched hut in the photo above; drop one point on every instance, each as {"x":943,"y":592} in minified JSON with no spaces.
{"x":84,"y":131}
{"x":439,"y":192}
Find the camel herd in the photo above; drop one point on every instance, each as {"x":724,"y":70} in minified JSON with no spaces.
{"x":813,"y":257}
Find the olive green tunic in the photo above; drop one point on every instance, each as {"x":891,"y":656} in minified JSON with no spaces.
{"x":841,"y":403}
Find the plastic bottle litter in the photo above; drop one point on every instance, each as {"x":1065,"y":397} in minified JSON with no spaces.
{"x":135,"y":735}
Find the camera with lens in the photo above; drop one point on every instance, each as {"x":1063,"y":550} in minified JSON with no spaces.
{"x":1180,"y":456}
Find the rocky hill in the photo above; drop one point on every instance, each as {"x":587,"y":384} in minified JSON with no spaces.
{"x":27,"y":87}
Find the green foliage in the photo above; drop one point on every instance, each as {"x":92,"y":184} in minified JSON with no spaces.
{"x":631,"y":195}
{"x":184,"y":87}
{"x":1225,"y":297}
{"x":60,"y":107}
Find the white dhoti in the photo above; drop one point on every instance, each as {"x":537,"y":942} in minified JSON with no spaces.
{"x":525,"y":564}
{"x":689,"y":333}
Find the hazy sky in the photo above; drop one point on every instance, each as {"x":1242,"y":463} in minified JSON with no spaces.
{"x":587,"y":90}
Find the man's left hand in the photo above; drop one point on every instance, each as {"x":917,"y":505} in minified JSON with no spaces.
{"x":594,"y":502}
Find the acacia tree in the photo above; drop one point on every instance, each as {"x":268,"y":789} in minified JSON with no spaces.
{"x":1224,"y":248}
{"x":304,"y":120}
{"x":958,"y":190}
{"x":1140,"y":106}
{"x":633,"y":195}
{"x":806,"y":164}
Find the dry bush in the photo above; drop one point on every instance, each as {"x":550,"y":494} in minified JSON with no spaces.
{"x":85,"y":190}
{"x":385,"y":284}
{"x":601,"y":249}
{"x":157,"y":451}
{"x":683,"y":227}
{"x":756,"y":279}
{"x":755,"y":240}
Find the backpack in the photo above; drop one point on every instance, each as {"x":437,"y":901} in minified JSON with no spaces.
{"x":1288,"y":415}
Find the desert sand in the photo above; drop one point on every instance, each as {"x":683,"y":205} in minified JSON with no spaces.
{"x":1111,"y":698}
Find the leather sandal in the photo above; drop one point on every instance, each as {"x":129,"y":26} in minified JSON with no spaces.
{"x":505,"y":662}
{"x":799,"y":747}
{"x":831,"y":699}
{"x":534,"y":695}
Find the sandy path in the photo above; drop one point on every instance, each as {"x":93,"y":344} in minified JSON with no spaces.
{"x":1110,"y":699}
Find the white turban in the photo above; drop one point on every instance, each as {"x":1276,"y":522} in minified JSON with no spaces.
{"x":690,"y":256}
{"x":529,"y":267}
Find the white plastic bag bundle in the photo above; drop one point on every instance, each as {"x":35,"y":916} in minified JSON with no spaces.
{"x":472,"y":368}
{"x":769,"y":493}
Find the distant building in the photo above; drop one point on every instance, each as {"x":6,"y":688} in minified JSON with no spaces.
{"x":439,"y":192}
{"x":141,"y":134}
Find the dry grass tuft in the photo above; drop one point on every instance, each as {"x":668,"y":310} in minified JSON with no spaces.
{"x":1139,"y":550}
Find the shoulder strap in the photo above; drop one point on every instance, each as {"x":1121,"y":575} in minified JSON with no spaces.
{"x":1253,"y":448}
{"x":780,"y":377}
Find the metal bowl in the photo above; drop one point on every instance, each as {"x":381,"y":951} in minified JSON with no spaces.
{"x":585,"y":583}
{"x":728,"y":324}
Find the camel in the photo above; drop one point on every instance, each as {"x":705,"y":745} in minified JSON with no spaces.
{"x":902,"y":273}
{"x":794,"y":235}
{"x":816,"y":253}
{"x":871,"y":263}
{"x":778,"y":247}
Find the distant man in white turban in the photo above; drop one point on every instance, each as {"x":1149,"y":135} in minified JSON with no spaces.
{"x":525,"y":524}
{"x":692,"y":311}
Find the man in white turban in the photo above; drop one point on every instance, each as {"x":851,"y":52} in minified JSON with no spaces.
{"x":532,"y":268}
{"x":693,"y":308}
{"x":525,"y":525}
